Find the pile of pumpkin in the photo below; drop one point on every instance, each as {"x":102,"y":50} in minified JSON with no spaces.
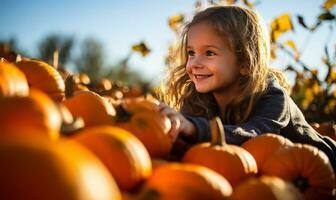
{"x":59,"y":139}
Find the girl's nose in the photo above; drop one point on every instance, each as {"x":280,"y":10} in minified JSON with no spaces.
{"x":195,"y":62}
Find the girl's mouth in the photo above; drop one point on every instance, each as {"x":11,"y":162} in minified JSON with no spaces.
{"x":201,"y":76}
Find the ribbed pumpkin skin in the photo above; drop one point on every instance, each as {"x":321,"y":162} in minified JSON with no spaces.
{"x":122,"y":153}
{"x":231,"y":161}
{"x":186,"y":182}
{"x":93,"y":108}
{"x":266,"y":188}
{"x":38,"y":169}
{"x":13,"y":82}
{"x":34,"y":115}
{"x":263,"y":146}
{"x":42,"y":76}
{"x":306,"y":166}
{"x":148,"y":125}
{"x":151,"y":128}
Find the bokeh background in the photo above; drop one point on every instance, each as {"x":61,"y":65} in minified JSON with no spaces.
{"x":102,"y":38}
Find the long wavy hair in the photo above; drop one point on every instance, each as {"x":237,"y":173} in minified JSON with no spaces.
{"x":247,"y":37}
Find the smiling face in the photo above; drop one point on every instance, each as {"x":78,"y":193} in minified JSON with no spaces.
{"x":211,"y":64}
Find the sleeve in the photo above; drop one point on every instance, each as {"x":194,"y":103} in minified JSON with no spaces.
{"x":270,"y":114}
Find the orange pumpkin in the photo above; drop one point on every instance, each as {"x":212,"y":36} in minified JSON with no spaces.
{"x":13,"y":82}
{"x":231,"y":161}
{"x":158,"y":162}
{"x":151,"y":128}
{"x":263,"y":146}
{"x":35,"y":114}
{"x":101,"y":85}
{"x":39,"y":169}
{"x":82,"y":78}
{"x":69,"y":123}
{"x":44,"y":77}
{"x":304,"y":165}
{"x":93,"y":108}
{"x":187,"y":182}
{"x":122,"y":153}
{"x":266,"y":188}
{"x":140,"y":104}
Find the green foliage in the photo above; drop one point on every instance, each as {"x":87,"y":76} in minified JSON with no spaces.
{"x":91,"y":59}
{"x":52,"y":43}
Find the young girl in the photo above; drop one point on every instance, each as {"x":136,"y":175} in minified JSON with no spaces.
{"x":225,"y":70}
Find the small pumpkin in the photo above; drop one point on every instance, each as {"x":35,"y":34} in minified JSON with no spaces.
{"x":231,"y":161}
{"x":35,"y":114}
{"x":93,"y":108}
{"x":187,"y":182}
{"x":263,"y":146}
{"x":304,"y":165}
{"x":70,"y":124}
{"x":140,"y":104}
{"x":266,"y":188}
{"x":42,"y":76}
{"x":101,"y":85}
{"x":82,"y":78}
{"x":148,"y":125}
{"x":13,"y":82}
{"x":40,"y":169}
{"x":123,"y":154}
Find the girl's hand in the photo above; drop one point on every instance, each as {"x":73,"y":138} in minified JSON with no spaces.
{"x":179,"y":123}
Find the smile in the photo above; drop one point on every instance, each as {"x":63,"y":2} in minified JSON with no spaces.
{"x":201,"y":76}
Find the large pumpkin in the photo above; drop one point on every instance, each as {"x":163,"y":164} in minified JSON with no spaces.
{"x":93,"y":108}
{"x":122,"y":153}
{"x":35,"y":114}
{"x":266,"y":188}
{"x":185,"y":182}
{"x":148,"y":125}
{"x":38,"y":169}
{"x":304,"y":165}
{"x":44,"y":77}
{"x":231,"y":161}
{"x":13,"y":82}
{"x":263,"y":146}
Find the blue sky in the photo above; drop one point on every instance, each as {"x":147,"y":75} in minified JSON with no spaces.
{"x":119,"y":24}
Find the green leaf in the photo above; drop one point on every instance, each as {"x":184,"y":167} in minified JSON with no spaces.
{"x":141,"y":48}
{"x":326,"y":16}
{"x":302,"y":22}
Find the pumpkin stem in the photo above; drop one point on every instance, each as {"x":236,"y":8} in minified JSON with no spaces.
{"x":70,"y":129}
{"x":301,"y":183}
{"x":69,"y":89}
{"x":55,"y":58}
{"x":217,"y":132}
{"x":122,"y":114}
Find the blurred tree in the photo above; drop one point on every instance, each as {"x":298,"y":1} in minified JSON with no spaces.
{"x":91,"y":59}
{"x":52,"y":43}
{"x":9,"y":49}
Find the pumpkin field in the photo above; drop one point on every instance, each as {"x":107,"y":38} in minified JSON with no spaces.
{"x":74,"y":135}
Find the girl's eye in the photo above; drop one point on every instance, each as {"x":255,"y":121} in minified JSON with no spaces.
{"x":190,"y":53}
{"x":210,"y":53}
